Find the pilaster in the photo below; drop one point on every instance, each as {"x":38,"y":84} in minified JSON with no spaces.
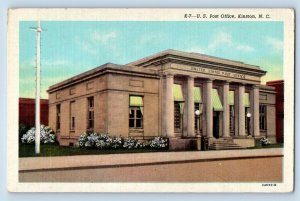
{"x":209,"y":108}
{"x":241,"y":111}
{"x":225,"y":123}
{"x":169,"y":106}
{"x":190,"y":107}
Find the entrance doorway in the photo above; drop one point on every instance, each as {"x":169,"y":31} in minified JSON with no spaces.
{"x":216,"y":124}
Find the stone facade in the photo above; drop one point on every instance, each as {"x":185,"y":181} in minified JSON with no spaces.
{"x":229,"y":91}
{"x":110,"y":86}
{"x":268,"y":99}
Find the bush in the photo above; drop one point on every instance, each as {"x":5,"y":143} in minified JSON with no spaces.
{"x":104,"y":141}
{"x":159,"y":143}
{"x":130,"y":143}
{"x":22,"y":130}
{"x":265,"y":141}
{"x":47,"y":136}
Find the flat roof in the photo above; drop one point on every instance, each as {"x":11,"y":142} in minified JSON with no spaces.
{"x":275,"y":82}
{"x":192,"y":55}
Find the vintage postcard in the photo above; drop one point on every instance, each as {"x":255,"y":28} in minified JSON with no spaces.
{"x":150,"y":100}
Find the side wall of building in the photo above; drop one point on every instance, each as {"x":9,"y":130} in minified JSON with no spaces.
{"x":267,"y":99}
{"x":120,"y":88}
{"x":279,"y":87}
{"x":111,"y":94}
{"x":78,"y":94}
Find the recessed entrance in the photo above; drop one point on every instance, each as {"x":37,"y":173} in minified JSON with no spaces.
{"x":216,"y":122}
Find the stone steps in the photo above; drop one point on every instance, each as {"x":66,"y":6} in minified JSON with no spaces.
{"x":224,"y":144}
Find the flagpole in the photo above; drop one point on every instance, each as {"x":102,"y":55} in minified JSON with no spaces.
{"x":37,"y":92}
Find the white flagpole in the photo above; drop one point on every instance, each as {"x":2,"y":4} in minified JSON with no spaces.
{"x":37,"y":92}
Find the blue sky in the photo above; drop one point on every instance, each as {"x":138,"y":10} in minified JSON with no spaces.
{"x":72,"y":47}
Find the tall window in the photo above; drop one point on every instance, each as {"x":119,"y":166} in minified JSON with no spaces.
{"x":136,"y":110}
{"x":262,"y":117}
{"x":72,"y":116}
{"x":135,"y":118}
{"x":177,"y":115}
{"x":58,"y":117}
{"x":178,"y":107}
{"x":231,"y":119}
{"x":90,"y":112}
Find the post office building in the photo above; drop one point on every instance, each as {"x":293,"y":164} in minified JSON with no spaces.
{"x":172,"y":94}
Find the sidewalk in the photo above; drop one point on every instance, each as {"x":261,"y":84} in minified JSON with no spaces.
{"x":131,"y":159}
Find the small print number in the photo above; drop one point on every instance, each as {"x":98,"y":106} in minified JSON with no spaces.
{"x":268,"y":184}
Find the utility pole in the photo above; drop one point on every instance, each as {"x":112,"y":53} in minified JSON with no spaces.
{"x":38,"y":30}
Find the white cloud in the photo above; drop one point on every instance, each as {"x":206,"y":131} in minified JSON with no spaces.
{"x":85,"y":45}
{"x":245,"y":48}
{"x":30,"y":64}
{"x":99,"y":36}
{"x":275,"y":43}
{"x":221,"y":38}
{"x":93,"y":39}
{"x":56,"y":62}
{"x":152,"y":38}
{"x":196,"y":50}
{"x":224,"y":39}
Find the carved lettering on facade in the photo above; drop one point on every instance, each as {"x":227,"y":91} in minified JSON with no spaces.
{"x":217,"y":72}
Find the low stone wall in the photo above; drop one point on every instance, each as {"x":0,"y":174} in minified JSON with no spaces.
{"x":182,"y":144}
{"x":68,"y":142}
{"x":244,"y":142}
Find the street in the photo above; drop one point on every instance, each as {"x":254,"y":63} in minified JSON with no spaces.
{"x":260,"y":169}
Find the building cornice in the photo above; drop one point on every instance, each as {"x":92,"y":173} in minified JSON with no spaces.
{"x":268,"y":89}
{"x":104,"y":69}
{"x":197,"y":59}
{"x":170,"y":58}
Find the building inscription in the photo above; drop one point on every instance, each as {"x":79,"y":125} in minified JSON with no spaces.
{"x":218,"y":72}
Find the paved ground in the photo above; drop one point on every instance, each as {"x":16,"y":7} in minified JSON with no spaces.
{"x":215,"y":166}
{"x":239,"y":170}
{"x":104,"y":160}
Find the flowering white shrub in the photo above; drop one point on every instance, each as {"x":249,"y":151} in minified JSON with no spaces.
{"x":100,"y":141}
{"x":129,"y":143}
{"x":22,"y":129}
{"x":104,"y":141}
{"x":82,"y":140}
{"x":47,"y":136}
{"x":158,"y":143}
{"x":265,"y":141}
{"x":116,"y":143}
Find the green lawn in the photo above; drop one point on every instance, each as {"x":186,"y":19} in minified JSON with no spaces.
{"x":259,"y":146}
{"x":27,"y":150}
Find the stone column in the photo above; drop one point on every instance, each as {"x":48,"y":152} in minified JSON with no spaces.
{"x":226,"y":132}
{"x":241,"y":116}
{"x":190,"y":107}
{"x":169,"y":106}
{"x":209,"y":108}
{"x":255,"y":111}
{"x":236,"y":112}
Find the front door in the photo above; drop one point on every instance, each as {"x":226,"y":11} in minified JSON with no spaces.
{"x":216,"y":125}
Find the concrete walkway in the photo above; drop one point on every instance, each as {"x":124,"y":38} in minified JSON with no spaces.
{"x":132,"y":159}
